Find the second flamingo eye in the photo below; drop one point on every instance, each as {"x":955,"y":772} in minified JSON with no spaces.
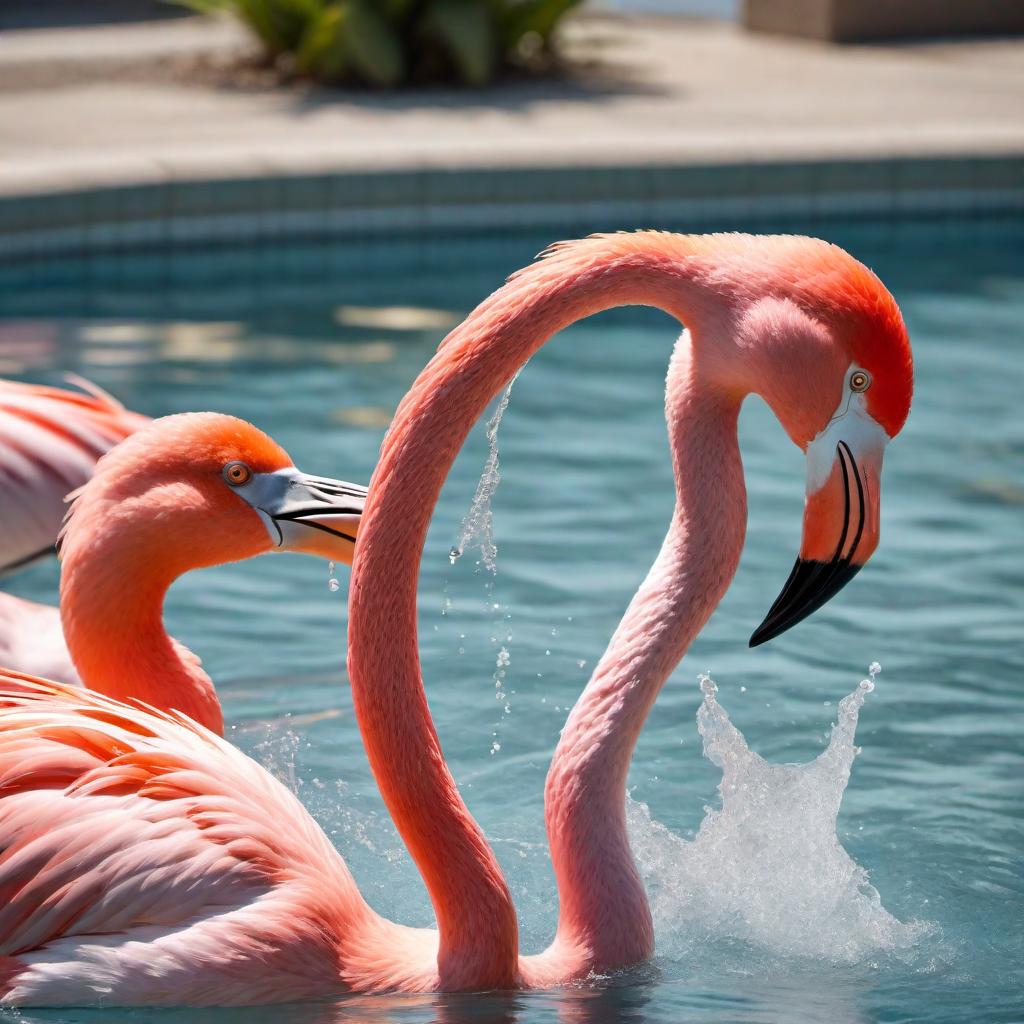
{"x":237,"y":474}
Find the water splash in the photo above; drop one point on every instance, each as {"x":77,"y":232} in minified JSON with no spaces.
{"x":767,"y":868}
{"x":478,"y":524}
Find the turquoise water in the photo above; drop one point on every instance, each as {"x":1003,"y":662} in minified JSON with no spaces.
{"x":317,"y":348}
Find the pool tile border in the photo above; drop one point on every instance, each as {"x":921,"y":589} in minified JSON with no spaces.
{"x":450,"y":201}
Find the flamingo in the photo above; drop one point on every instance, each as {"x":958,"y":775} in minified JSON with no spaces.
{"x":119,"y":555}
{"x":50,"y":439}
{"x":192,"y":877}
{"x":143,"y":859}
{"x":119,"y":560}
{"x":795,"y":320}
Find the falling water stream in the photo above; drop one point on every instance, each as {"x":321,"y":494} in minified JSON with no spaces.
{"x":478,"y":524}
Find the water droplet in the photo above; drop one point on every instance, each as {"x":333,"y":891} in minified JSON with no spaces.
{"x":581,"y":663}
{"x":454,"y":554}
{"x":707,"y":685}
{"x":332,"y":583}
{"x":873,"y":669}
{"x":495,"y":747}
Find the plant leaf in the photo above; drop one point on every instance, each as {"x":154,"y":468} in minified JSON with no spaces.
{"x":201,"y":6}
{"x":466,"y":30}
{"x":372,"y":46}
{"x":540,"y":16}
{"x":279,"y":24}
{"x":322,"y":53}
{"x":395,"y":10}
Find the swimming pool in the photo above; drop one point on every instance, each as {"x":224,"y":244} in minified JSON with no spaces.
{"x":317,"y":350}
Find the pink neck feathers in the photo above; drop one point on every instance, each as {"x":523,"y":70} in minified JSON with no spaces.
{"x":112,"y":614}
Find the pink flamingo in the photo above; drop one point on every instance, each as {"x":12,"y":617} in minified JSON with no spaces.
{"x":144,"y":860}
{"x":50,"y":439}
{"x":794,"y":320}
{"x":195,"y":878}
{"x":118,"y":556}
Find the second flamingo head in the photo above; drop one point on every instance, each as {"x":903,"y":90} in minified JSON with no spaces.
{"x":201,"y":489}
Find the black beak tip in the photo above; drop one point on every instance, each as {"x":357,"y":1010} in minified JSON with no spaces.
{"x":810,"y":585}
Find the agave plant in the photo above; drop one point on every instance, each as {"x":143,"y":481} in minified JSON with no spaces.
{"x":390,"y":42}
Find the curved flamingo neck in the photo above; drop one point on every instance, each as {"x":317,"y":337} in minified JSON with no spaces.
{"x":604,"y":919}
{"x":478,"y":931}
{"x":111,"y":605}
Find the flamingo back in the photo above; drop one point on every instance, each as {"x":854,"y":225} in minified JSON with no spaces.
{"x":145,"y":861}
{"x":32,"y":640}
{"x":50,"y":440}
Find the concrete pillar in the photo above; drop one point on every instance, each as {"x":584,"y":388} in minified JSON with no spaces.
{"x":864,"y":20}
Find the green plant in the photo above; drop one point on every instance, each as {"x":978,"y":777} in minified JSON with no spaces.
{"x":391,"y":42}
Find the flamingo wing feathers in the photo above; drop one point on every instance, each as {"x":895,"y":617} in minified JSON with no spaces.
{"x":145,"y":861}
{"x":50,"y":439}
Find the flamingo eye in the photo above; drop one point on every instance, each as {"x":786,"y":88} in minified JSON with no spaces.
{"x":859,"y":381}
{"x":237,"y":474}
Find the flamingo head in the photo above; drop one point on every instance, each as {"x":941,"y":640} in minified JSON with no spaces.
{"x":201,"y":489}
{"x":831,"y":356}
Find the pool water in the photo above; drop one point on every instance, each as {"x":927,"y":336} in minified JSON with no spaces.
{"x":934,"y":811}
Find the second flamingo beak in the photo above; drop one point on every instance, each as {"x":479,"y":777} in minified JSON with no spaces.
{"x":314,"y":515}
{"x":840,"y":528}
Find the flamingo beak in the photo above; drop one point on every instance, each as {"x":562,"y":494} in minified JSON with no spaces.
{"x":313,"y":515}
{"x":840,"y":531}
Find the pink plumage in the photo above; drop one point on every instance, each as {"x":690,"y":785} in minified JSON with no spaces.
{"x":783,"y":317}
{"x":50,"y":439}
{"x":146,"y":861}
{"x":32,"y":640}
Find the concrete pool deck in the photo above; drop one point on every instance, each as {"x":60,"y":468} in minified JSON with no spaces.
{"x":113,"y":111}
{"x":84,"y":106}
